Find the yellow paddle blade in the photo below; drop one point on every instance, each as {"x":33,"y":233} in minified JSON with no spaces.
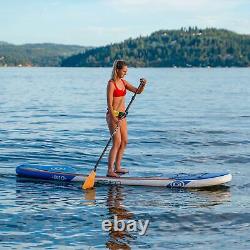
{"x":90,"y":181}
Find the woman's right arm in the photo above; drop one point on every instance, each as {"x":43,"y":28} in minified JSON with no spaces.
{"x":110,"y":90}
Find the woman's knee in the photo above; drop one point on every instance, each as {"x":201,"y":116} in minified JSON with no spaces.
{"x":117,"y":142}
{"x":124,"y":142}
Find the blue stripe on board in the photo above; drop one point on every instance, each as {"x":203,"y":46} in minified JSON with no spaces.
{"x":198,"y":176}
{"x":33,"y":173}
{"x":49,"y":168}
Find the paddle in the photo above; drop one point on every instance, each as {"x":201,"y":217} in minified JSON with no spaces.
{"x":90,"y":180}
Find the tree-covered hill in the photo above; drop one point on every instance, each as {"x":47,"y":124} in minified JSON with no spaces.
{"x":45,"y":54}
{"x":190,"y":47}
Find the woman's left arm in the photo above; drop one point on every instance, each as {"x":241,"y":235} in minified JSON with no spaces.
{"x":133,"y":89}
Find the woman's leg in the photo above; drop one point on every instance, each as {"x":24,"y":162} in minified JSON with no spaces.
{"x":123,"y":144}
{"x":115,"y":147}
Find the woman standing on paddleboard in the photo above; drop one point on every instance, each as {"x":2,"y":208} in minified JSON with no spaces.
{"x":116,"y":91}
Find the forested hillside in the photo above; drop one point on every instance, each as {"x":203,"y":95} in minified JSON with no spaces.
{"x":190,"y":47}
{"x":45,"y":54}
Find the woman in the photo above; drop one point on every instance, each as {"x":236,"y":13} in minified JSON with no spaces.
{"x":116,"y":91}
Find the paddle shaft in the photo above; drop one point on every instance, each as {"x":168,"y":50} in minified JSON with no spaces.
{"x":110,"y":139}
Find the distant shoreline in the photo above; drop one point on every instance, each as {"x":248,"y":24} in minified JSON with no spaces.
{"x":184,"y":48}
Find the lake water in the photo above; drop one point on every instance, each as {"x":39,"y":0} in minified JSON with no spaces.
{"x":187,"y":120}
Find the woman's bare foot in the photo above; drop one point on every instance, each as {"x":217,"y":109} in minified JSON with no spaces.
{"x":112,"y":174}
{"x":121,"y":170}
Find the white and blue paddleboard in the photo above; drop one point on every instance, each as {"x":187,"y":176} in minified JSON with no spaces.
{"x":68,"y":174}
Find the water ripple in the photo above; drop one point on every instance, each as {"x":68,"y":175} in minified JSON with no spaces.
{"x":199,"y":126}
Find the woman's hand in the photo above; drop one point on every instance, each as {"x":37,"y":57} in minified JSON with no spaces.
{"x":115,"y":119}
{"x":143,"y":81}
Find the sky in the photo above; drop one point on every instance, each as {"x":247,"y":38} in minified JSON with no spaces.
{"x":102,"y":22}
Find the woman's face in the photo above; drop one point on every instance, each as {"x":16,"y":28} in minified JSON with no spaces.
{"x":122,"y":72}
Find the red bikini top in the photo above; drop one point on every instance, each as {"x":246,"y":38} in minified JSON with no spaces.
{"x":119,"y":92}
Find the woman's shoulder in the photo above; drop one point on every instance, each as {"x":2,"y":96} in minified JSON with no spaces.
{"x":111,"y":81}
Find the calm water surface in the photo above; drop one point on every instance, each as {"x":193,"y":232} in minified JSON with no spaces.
{"x":187,"y":120}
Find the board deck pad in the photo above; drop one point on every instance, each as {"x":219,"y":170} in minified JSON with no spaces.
{"x":66,"y":173}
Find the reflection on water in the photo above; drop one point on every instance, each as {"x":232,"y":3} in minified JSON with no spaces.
{"x":90,"y":196}
{"x":58,"y":206}
{"x":115,"y":200}
{"x":213,"y":196}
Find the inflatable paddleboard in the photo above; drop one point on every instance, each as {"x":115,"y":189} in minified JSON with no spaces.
{"x":67,"y":174}
{"x":64,"y":173}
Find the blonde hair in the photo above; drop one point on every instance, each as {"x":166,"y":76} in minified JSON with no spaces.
{"x":118,"y":64}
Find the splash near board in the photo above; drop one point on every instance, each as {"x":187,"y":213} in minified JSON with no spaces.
{"x":182,"y":180}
